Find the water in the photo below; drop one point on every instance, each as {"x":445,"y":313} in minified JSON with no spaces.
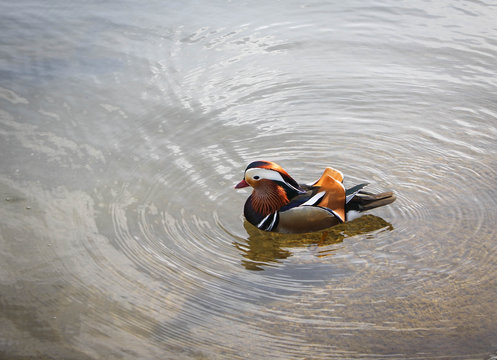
{"x":124,"y":127}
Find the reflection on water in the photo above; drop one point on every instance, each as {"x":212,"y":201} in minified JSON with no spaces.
{"x":264,"y":248}
{"x":124,"y":126}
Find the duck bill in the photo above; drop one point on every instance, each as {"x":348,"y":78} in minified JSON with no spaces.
{"x":241,"y":184}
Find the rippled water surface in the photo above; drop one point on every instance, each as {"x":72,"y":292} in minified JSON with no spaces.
{"x":125,"y":125}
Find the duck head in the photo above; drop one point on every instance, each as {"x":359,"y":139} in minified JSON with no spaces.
{"x":273,"y":187}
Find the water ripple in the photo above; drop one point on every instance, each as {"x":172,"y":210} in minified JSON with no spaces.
{"x":145,"y":251}
{"x":186,"y":218}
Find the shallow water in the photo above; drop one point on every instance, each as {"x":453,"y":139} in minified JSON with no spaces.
{"x":124,"y":127}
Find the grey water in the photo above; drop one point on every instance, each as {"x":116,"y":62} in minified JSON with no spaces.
{"x":124,"y":127}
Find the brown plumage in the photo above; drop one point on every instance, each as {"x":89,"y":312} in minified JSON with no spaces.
{"x":269,"y":197}
{"x":279,"y":203}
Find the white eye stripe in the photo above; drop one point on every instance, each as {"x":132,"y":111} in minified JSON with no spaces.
{"x":264,"y":174}
{"x":251,"y":174}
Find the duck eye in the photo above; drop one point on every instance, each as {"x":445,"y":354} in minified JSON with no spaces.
{"x":256,"y":177}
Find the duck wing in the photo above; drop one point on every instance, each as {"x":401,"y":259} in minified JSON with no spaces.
{"x":363,"y":201}
{"x":329,"y":172}
{"x":331,"y":191}
{"x":321,"y":206}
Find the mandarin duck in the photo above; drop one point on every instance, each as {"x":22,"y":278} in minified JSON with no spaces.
{"x":278,"y":203}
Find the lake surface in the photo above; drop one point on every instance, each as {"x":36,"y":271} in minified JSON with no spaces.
{"x":124,"y":127}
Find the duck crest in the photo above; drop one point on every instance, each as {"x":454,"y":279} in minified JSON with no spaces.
{"x":268,"y":198}
{"x":278,"y":203}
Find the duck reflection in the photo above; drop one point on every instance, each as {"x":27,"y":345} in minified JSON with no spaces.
{"x":268,"y":248}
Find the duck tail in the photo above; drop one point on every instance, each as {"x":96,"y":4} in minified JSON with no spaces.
{"x":363,"y":201}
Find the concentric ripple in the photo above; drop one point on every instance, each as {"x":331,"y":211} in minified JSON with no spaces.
{"x":125,"y":128}
{"x":187,"y":225}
